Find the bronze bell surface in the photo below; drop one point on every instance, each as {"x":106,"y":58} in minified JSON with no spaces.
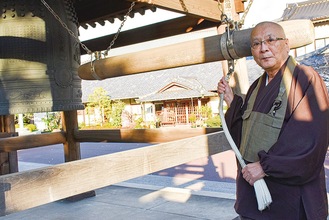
{"x":38,"y":57}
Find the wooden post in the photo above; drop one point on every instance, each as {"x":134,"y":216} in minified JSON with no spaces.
{"x":8,"y":160}
{"x":71,"y":147}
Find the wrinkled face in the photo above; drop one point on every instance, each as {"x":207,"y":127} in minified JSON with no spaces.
{"x":269,"y":47}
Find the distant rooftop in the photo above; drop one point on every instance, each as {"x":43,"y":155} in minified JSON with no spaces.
{"x":315,"y":10}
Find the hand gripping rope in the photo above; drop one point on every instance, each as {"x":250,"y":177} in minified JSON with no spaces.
{"x":263,"y":195}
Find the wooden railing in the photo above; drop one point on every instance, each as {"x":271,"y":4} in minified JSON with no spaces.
{"x":24,"y":190}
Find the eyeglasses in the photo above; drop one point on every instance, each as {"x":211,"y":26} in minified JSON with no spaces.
{"x":269,"y":42}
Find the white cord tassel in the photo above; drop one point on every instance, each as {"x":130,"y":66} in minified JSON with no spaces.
{"x":263,"y":195}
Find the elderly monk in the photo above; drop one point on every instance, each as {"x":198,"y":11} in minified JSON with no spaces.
{"x":282,"y":130}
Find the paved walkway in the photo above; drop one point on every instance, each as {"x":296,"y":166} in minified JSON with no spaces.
{"x":125,"y":203}
{"x":151,"y":197}
{"x":145,"y":198}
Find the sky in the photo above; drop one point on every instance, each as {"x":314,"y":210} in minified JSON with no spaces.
{"x":266,"y":10}
{"x":261,"y":10}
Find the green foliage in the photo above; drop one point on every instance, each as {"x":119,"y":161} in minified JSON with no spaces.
{"x":116,"y":113}
{"x":110,"y":111}
{"x":27,"y":118}
{"x":213,"y":122}
{"x":139,"y":123}
{"x":192,"y":118}
{"x":101,"y":100}
{"x":31,"y":127}
{"x":95,"y":127}
{"x":52,"y":121}
{"x":82,"y":125}
{"x":206,"y":111}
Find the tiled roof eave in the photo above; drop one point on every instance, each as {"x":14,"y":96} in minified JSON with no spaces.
{"x":313,"y":9}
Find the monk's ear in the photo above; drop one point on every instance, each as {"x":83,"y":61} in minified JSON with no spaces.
{"x":287,"y":45}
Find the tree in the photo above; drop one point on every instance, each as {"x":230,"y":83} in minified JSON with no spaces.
{"x":116,"y":113}
{"x":101,"y":100}
{"x":52,"y":121}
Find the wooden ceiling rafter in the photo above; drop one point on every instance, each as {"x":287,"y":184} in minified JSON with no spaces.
{"x":150,"y":32}
{"x":91,"y":13}
{"x":198,"y":16}
{"x":207,"y":9}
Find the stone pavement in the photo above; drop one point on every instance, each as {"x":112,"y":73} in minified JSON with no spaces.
{"x":126,"y":202}
{"x":145,"y":198}
{"x":151,"y":197}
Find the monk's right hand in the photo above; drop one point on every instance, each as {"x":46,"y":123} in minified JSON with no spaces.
{"x":224,"y":88}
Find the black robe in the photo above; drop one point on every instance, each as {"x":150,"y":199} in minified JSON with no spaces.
{"x":295,"y":163}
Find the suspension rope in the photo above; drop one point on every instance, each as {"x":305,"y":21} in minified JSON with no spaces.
{"x":263,"y":195}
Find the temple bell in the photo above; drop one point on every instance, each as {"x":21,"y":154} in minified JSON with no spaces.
{"x":38,"y":57}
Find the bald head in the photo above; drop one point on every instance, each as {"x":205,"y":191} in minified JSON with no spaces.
{"x":269,"y":46}
{"x":275,"y":27}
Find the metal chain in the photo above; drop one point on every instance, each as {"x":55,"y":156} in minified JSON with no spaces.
{"x":77,"y":38}
{"x":230,"y":22}
{"x":241,"y":22}
{"x":119,"y":30}
{"x":66,"y":27}
{"x":224,"y":18}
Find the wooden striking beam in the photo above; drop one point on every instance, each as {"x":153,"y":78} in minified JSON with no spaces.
{"x":186,"y":53}
{"x":29,"y":189}
{"x":159,"y":135}
{"x":207,"y":9}
{"x":209,"y":49}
